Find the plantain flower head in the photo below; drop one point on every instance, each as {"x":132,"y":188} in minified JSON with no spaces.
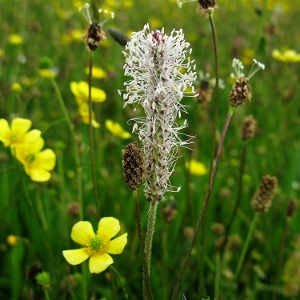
{"x":96,"y":247}
{"x":161,"y":72}
{"x":241,"y":90}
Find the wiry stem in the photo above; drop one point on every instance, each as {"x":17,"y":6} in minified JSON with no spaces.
{"x":204,"y":205}
{"x":216,"y":90}
{"x":76,"y":148}
{"x":91,"y":138}
{"x":149,"y":240}
{"x":147,"y":290}
{"x":246,"y":245}
{"x":238,"y":197}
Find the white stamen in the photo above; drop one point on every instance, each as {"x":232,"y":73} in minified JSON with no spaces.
{"x":86,"y":13}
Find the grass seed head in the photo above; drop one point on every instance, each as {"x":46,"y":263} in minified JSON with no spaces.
{"x":133,"y":166}
{"x":262,"y":199}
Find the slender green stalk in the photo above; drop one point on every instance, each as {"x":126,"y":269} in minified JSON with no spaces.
{"x":238,"y":196}
{"x":246,"y":245}
{"x":204,"y":205}
{"x":120,"y":280}
{"x":41,"y":213}
{"x":91,"y":138}
{"x":214,"y":130}
{"x":216,"y":92}
{"x":46,"y":294}
{"x":147,"y":290}
{"x":218,"y":275}
{"x":149,"y":240}
{"x":84,"y":282}
{"x":76,"y":147}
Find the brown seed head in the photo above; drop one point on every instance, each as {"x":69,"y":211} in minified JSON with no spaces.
{"x":133,"y":166}
{"x":248,"y":128}
{"x":170,"y":213}
{"x":291,"y":208}
{"x":204,"y":92}
{"x":240,"y":92}
{"x":262,"y":199}
{"x":94,"y":36}
{"x":206,"y":7}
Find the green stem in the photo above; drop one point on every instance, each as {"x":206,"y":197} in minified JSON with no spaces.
{"x":91,"y":138}
{"x":84,"y":281}
{"x":246,"y":245}
{"x":204,"y":205}
{"x":46,"y":294}
{"x":149,"y":241}
{"x":41,"y":213}
{"x":238,"y":196}
{"x":121,"y":281}
{"x":76,"y":147}
{"x":216,"y":90}
{"x":147,"y":290}
{"x":217,"y":275}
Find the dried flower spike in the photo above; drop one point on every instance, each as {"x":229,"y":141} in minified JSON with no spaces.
{"x":205,"y":6}
{"x":248,"y":128}
{"x":262,"y":199}
{"x":241,"y":90}
{"x":95,"y":35}
{"x":133,"y":166}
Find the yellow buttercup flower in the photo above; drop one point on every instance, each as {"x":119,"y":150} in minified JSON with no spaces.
{"x":17,"y":134}
{"x":48,"y":73}
{"x":15,"y":39}
{"x":12,"y":240}
{"x":287,"y":56}
{"x":97,"y":247}
{"x":196,"y":168}
{"x":117,"y":130}
{"x":16,"y":87}
{"x":37,"y":163}
{"x":1,"y":53}
{"x":97,"y":72}
{"x":81,"y":92}
{"x":83,"y":110}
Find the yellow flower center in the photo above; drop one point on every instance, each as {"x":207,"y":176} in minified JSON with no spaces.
{"x":14,"y":138}
{"x":98,"y":244}
{"x":30,"y":158}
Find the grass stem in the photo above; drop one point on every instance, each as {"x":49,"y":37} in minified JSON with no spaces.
{"x":91,"y":138}
{"x":204,"y":205}
{"x":246,"y":245}
{"x":149,"y":241}
{"x":76,"y":147}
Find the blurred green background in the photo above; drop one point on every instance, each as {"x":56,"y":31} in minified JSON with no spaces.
{"x":41,"y":215}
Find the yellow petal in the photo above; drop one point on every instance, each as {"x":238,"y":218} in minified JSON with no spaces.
{"x":99,"y":262}
{"x":46,"y":159}
{"x":4,"y":132}
{"x":82,"y":232}
{"x":116,"y":246}
{"x":37,"y":174}
{"x":75,"y":257}
{"x":96,"y":73}
{"x":32,"y":136}
{"x":109,"y":226}
{"x":98,"y":95}
{"x":196,"y":168}
{"x":20,"y":125}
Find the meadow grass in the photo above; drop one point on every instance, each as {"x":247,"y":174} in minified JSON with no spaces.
{"x":37,"y":218}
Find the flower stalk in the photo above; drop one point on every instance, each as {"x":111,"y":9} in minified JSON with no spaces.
{"x":205,"y":204}
{"x":91,"y":136}
{"x":76,"y":147}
